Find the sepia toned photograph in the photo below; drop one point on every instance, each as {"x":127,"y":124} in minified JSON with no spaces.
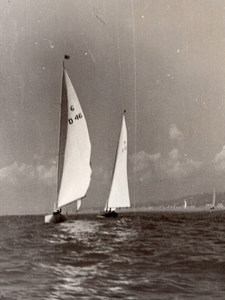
{"x":112,"y":156}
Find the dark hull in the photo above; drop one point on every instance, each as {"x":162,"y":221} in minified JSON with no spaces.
{"x":54,"y":218}
{"x":109,"y":214}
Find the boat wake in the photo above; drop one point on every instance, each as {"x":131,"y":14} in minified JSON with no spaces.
{"x":79,"y":230}
{"x":79,"y":227}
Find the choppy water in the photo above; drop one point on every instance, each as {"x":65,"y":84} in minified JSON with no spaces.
{"x":136,"y":256}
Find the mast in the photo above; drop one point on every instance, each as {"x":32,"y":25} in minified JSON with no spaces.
{"x":66,"y":57}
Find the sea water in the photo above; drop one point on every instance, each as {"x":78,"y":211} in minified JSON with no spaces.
{"x":164,"y":255}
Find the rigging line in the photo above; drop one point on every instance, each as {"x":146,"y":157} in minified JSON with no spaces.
{"x":89,"y":51}
{"x":104,"y":7}
{"x":135,"y":102}
{"x":120,"y":68}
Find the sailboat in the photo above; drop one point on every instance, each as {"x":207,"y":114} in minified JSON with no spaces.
{"x":213,"y":200}
{"x":119,"y":192}
{"x":185,"y":204}
{"x":74,"y":170}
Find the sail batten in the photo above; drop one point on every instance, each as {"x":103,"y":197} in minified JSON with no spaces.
{"x":75,"y":170}
{"x":119,"y":192}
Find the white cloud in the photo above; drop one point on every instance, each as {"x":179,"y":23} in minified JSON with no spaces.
{"x":174,"y":155}
{"x":16,"y":173}
{"x":175,"y":133}
{"x":219,"y":160}
{"x":174,"y":165}
{"x":177,"y":166}
{"x":143,"y":160}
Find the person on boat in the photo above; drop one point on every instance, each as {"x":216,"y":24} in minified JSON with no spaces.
{"x":59,"y":211}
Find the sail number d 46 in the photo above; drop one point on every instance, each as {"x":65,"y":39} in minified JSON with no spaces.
{"x":77,"y":117}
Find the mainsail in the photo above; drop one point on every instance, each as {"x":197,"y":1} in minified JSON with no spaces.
{"x":75,"y":148}
{"x":119,"y":193}
{"x":214,"y":198}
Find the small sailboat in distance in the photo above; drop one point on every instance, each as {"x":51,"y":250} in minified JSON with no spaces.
{"x":185,"y":204}
{"x":213,"y":199}
{"x":74,"y":170}
{"x":119,"y":192}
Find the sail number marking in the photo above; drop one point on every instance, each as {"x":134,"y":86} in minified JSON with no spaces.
{"x":124,"y":149}
{"x":124,"y":146}
{"x":77,"y":116}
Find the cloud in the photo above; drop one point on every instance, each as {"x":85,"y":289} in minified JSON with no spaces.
{"x":219,"y":160}
{"x":174,"y":165}
{"x":175,"y":133}
{"x":17,"y":173}
{"x":143,"y":160}
{"x":177,"y":166}
{"x":174,"y":155}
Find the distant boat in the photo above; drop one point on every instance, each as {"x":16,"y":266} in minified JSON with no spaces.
{"x":119,"y":192}
{"x":185,"y":204}
{"x":213,"y":200}
{"x":74,"y":170}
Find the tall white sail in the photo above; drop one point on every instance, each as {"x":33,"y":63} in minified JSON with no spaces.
{"x":76,"y":171}
{"x":214,"y":198}
{"x":119,"y":193}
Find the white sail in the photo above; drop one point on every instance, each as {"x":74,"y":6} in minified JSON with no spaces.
{"x":185,"y":204}
{"x":214,"y":198}
{"x":78,"y":204}
{"x":119,"y":193}
{"x":76,"y":170}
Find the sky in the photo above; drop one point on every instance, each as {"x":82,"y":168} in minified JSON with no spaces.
{"x":163,"y":61}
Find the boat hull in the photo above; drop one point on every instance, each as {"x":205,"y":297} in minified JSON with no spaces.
{"x":55,"y":218}
{"x":109,"y":214}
